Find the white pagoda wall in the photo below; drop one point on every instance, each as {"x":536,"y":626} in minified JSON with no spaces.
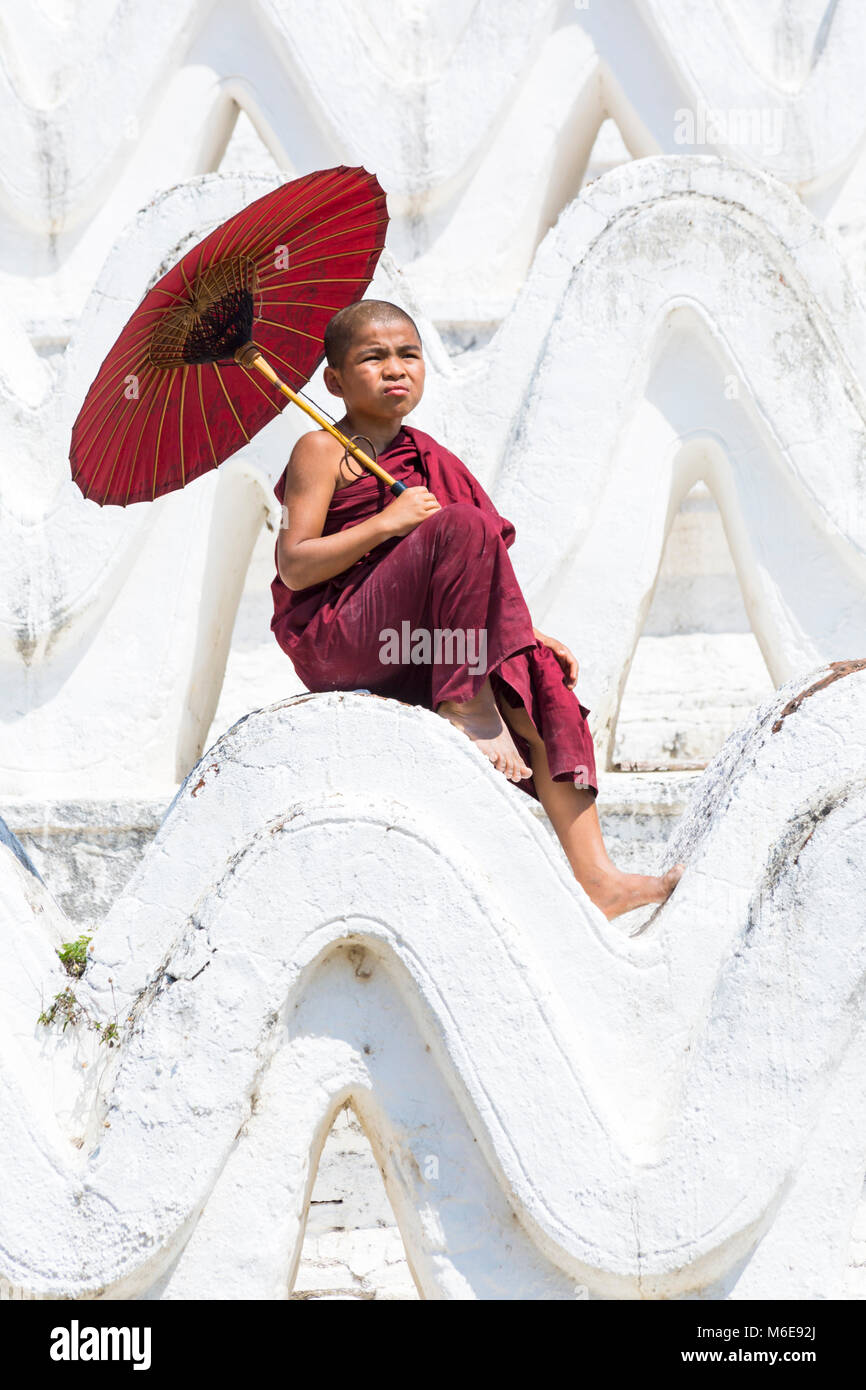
{"x":633,"y":235}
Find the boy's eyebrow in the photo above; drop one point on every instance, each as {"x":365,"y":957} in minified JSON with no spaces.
{"x":370,"y":347}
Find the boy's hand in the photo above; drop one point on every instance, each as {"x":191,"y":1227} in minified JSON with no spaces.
{"x":408,"y":510}
{"x":566,"y":658}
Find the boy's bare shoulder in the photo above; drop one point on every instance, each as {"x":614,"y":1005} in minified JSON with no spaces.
{"x":316,"y":454}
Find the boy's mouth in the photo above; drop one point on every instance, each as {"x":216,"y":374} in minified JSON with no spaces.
{"x":396,"y":390}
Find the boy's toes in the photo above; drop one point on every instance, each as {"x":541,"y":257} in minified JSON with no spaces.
{"x":520,"y":769}
{"x":673,"y":876}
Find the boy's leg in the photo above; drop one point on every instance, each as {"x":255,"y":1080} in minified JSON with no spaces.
{"x":480,"y":718}
{"x":574,"y":817}
{"x":472,"y":587}
{"x":451,"y":574}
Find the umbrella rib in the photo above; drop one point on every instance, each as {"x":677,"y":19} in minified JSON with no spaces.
{"x":343,"y":231}
{"x":316,"y":230}
{"x":172,"y":294}
{"x":95,"y":406}
{"x":225,"y":233}
{"x":301,"y":304}
{"x":238,"y":224}
{"x":215,"y":366}
{"x":372,"y":200}
{"x":152,"y":403}
{"x":180,"y":423}
{"x":158,"y":437}
{"x":345,"y":213}
{"x":111,"y":379}
{"x":346,"y":175}
{"x":156,"y":308}
{"x":243,"y":236}
{"x":204,"y":416}
{"x":308,"y":208}
{"x":321,"y":280}
{"x":150,"y":406}
{"x":342,"y":177}
{"x":272,"y":352}
{"x":93,"y":428}
{"x":317,"y":260}
{"x":312,"y":209}
{"x":274,"y":323}
{"x":95,"y":471}
{"x":248,"y":374}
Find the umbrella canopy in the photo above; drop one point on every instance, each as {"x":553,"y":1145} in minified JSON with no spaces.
{"x":182,"y":387}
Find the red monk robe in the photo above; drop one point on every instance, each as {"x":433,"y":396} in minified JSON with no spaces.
{"x":451,"y":572}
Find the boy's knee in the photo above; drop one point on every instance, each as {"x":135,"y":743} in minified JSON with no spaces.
{"x":459,"y":518}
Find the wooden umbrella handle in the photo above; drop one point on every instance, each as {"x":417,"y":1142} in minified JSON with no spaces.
{"x":250,"y":356}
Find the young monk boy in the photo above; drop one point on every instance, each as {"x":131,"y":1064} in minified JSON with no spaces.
{"x":356,"y":567}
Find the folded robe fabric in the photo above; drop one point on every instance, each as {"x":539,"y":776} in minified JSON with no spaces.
{"x":451,"y":575}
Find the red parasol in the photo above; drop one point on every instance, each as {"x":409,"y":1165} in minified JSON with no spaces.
{"x":180,"y":390}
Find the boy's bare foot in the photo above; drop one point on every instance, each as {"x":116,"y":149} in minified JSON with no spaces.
{"x":616,"y":892}
{"x":480,"y":719}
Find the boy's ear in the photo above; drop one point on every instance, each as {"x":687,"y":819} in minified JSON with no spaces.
{"x":332,"y":381}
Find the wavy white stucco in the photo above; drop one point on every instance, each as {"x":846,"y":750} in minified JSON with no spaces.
{"x":345,"y":901}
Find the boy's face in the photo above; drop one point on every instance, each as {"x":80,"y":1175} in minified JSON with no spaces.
{"x":382,"y":375}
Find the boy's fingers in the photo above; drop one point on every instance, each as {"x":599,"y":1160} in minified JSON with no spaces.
{"x":569,"y":664}
{"x":567,"y":659}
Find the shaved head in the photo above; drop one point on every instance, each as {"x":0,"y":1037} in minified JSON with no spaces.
{"x":347,"y":323}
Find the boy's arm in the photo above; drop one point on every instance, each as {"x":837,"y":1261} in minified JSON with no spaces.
{"x":306,"y":557}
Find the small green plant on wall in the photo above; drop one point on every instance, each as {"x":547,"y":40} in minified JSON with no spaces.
{"x":73,"y":955}
{"x":66,"y":1008}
